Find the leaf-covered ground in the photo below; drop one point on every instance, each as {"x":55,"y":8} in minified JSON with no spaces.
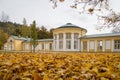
{"x":35,"y":66}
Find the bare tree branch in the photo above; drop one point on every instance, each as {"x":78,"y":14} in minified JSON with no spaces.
{"x":87,"y":5}
{"x":4,"y":17}
{"x":91,"y":6}
{"x":110,"y":20}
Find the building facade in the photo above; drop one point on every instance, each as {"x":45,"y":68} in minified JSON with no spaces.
{"x":68,"y":37}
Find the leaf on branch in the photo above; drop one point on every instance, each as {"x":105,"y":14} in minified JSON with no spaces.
{"x":101,"y":0}
{"x":73,"y":6}
{"x":61,"y":0}
{"x":90,"y":10}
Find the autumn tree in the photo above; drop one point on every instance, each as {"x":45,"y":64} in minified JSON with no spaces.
{"x":112,"y":19}
{"x":34,"y":35}
{"x":3,"y":38}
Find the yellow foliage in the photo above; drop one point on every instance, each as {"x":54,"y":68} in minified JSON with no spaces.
{"x":36,"y":76}
{"x":45,"y":77}
{"x":30,"y":66}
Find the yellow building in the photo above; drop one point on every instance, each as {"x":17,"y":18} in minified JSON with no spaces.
{"x":69,"y":37}
{"x":14,"y":43}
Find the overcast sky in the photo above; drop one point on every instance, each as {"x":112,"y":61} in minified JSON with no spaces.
{"x":44,"y":14}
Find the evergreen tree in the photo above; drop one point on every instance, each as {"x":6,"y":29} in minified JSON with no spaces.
{"x":51,"y":33}
{"x":24,"y":29}
{"x":43,"y":33}
{"x":34,"y":35}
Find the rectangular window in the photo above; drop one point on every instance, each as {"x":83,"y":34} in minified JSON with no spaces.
{"x":99,"y":45}
{"x":84,"y":45}
{"x":26,"y":46}
{"x":55,"y":36}
{"x":68,"y":35}
{"x":108,"y":44}
{"x":92,"y":44}
{"x":50,"y":45}
{"x":11,"y":47}
{"x":76,"y":35}
{"x":117,"y":44}
{"x":60,"y":36}
{"x":42,"y":46}
{"x":61,"y":44}
{"x":68,"y":44}
{"x":75,"y":44}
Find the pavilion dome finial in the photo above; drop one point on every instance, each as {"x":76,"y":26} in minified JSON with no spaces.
{"x":70,"y":25}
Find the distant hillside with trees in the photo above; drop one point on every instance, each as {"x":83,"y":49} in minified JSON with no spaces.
{"x":8,"y":28}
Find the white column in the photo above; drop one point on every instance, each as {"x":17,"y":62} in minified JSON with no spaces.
{"x":54,"y":43}
{"x":79,"y":43}
{"x":40,"y":46}
{"x":81,"y":46}
{"x":44,"y":46}
{"x":88,"y":46}
{"x":64,"y":41}
{"x":57,"y":43}
{"x":48,"y":47}
{"x":72,"y":41}
{"x":112,"y":46}
{"x":103,"y":46}
{"x":95,"y":45}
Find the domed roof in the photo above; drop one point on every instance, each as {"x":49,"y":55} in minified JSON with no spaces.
{"x":70,"y":25}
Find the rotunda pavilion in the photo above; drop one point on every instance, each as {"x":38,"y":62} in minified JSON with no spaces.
{"x":67,"y":37}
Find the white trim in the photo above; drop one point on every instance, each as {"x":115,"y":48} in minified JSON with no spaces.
{"x":88,"y":46}
{"x":64,"y":41}
{"x":95,"y":45}
{"x":103,"y":45}
{"x":72,"y":41}
{"x":112,"y":45}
